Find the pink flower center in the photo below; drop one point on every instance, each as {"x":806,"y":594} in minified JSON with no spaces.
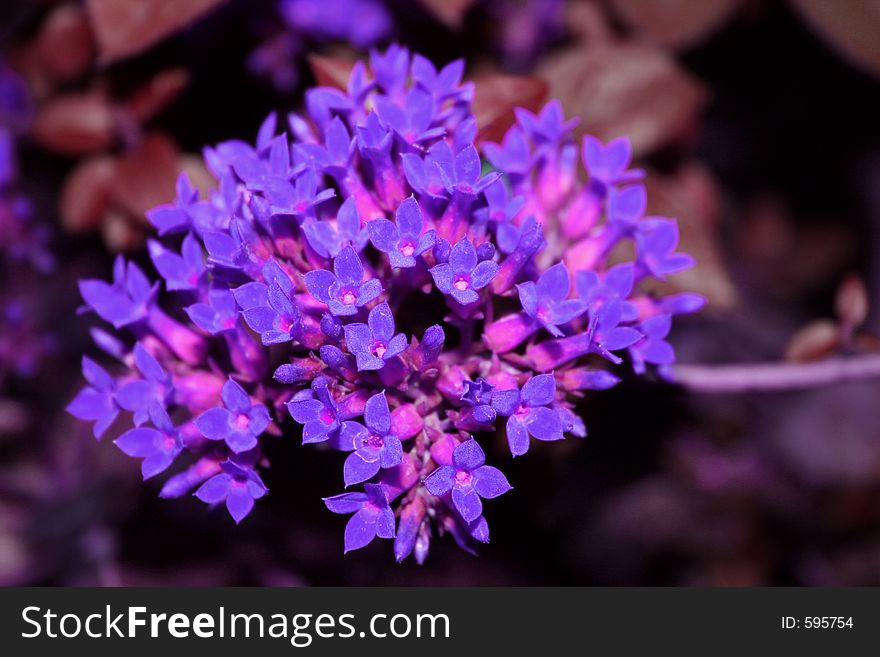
{"x":169,"y":443}
{"x":375,"y":441}
{"x":242,"y":421}
{"x":462,"y":477}
{"x":348,"y":297}
{"x":461,"y":284}
{"x":285,"y":325}
{"x":407,"y":248}
{"x":379,"y":349}
{"x":327,"y":416}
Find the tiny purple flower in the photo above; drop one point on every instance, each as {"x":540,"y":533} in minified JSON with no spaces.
{"x":316,"y":410}
{"x":528,"y":412}
{"x":373,"y":447}
{"x":372,"y":515}
{"x":97,"y":401}
{"x":469,"y":479}
{"x":237,"y":485}
{"x":547,"y":300}
{"x":462,"y":276}
{"x":157,"y":447}
{"x":404,"y":241}
{"x":344,"y":289}
{"x":239,"y":422}
{"x":374,"y":343}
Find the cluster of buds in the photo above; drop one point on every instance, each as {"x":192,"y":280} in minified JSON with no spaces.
{"x":367,"y":275}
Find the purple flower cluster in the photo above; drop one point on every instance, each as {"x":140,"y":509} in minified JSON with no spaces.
{"x":303,"y":289}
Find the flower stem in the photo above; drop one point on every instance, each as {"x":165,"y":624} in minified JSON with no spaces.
{"x":775,"y":376}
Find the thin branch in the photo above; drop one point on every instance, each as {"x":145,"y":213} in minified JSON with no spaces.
{"x":775,"y":376}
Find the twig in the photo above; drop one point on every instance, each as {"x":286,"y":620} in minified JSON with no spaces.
{"x":775,"y":376}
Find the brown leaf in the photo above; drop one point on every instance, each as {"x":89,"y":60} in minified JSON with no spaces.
{"x":851,"y":302}
{"x":815,"y":341}
{"x":76,"y":123}
{"x":331,"y":71}
{"x":674,"y":23}
{"x":119,"y":233}
{"x":691,"y":196}
{"x":199,"y":176}
{"x":851,"y":28}
{"x":497,"y":95}
{"x":127,"y":27}
{"x":146,"y":176}
{"x":64,"y":45}
{"x":449,"y":12}
{"x":625,"y":89}
{"x":86,"y":194}
{"x":151,"y":98}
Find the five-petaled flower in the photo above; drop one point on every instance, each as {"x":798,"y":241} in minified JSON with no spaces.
{"x":157,"y":447}
{"x":238,"y":485}
{"x":239,"y":422}
{"x":469,"y":479}
{"x":374,"y":343}
{"x":404,"y":241}
{"x":547,"y":300}
{"x":373,"y":447}
{"x":344,"y":289}
{"x":462,"y":276}
{"x":316,"y":410}
{"x":528,"y":412}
